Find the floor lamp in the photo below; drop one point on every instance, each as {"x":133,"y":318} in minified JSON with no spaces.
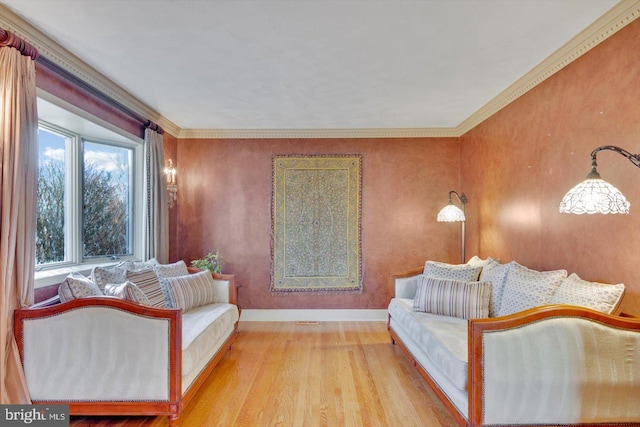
{"x":452,"y":213}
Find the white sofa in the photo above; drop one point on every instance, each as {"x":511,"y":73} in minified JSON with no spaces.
{"x":107,"y":356}
{"x":557,"y":364}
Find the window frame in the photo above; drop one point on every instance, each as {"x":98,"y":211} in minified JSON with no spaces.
{"x":75,"y":138}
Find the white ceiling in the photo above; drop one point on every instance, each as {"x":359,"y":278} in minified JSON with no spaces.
{"x":312,"y":64}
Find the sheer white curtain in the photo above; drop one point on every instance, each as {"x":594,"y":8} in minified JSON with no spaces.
{"x":156,"y":201}
{"x":19,"y":152}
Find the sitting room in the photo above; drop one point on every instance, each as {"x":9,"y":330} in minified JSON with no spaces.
{"x":353,"y":213}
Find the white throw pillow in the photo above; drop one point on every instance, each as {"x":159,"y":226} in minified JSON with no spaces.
{"x":526,"y":288}
{"x":597,"y":296}
{"x":128,"y":291}
{"x":192,"y":290}
{"x":466,"y":300}
{"x":76,"y":285}
{"x":460,"y":272}
{"x":495,"y":273}
{"x":102,"y":276}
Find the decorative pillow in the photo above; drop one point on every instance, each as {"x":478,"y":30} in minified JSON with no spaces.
{"x":128,"y":291}
{"x":139,"y":265}
{"x":176,"y":269}
{"x":76,"y":285}
{"x":164,"y":271}
{"x":466,"y":300}
{"x":102,"y":276}
{"x":192,"y":290}
{"x":526,"y":288}
{"x":495,"y":273}
{"x":461,"y":272}
{"x":597,"y":296}
{"x":148,"y":282}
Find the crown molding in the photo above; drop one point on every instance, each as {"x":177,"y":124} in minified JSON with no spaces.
{"x":615,"y":19}
{"x":70,"y":63}
{"x":316,"y":133}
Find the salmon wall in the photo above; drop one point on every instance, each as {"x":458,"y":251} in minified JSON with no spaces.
{"x":518,"y":164}
{"x":224,"y":204}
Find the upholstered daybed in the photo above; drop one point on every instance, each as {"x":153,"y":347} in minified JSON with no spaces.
{"x":545,"y":364}
{"x":105,"y":355}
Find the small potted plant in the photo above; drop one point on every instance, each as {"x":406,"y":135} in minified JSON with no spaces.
{"x":211,"y":262}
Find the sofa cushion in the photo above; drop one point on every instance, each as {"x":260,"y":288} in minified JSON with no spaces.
{"x":128,"y":291}
{"x":597,"y":296}
{"x":75,"y":285}
{"x":204,"y":329}
{"x":526,"y":288}
{"x":461,"y":272}
{"x":444,"y":339}
{"x":148,"y":282}
{"x":466,"y":300}
{"x":495,"y":273}
{"x":192,"y":290}
{"x":102,"y":276}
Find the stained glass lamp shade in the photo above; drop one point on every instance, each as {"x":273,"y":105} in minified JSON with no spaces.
{"x":595,"y":195}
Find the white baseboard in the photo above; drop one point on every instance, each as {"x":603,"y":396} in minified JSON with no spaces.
{"x":314,"y":315}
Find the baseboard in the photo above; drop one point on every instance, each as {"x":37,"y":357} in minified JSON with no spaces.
{"x":315,"y":315}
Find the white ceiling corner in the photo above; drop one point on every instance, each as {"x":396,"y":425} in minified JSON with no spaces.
{"x":316,"y":68}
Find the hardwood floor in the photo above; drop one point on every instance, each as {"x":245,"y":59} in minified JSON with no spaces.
{"x":324,"y":374}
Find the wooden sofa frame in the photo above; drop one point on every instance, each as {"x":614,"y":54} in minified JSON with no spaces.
{"x":478,"y":327}
{"x":177,"y":401}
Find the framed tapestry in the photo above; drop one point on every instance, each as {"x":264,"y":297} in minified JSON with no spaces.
{"x":315,"y":220}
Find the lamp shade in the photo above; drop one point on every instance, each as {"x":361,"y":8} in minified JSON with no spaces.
{"x":451,"y":213}
{"x":594,"y":195}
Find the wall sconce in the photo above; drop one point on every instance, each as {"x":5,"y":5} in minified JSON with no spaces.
{"x":172,"y":187}
{"x":595,"y":195}
{"x":452,"y":213}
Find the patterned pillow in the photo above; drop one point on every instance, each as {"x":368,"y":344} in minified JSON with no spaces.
{"x":176,"y":269}
{"x":76,"y":285}
{"x":128,"y":291}
{"x":148,"y":282}
{"x":526,"y":288}
{"x":495,"y":273}
{"x":598,"y":296}
{"x":164,"y":271}
{"x":461,"y":272}
{"x":192,"y":290}
{"x":139,"y":265}
{"x":102,"y":276}
{"x":466,"y":300}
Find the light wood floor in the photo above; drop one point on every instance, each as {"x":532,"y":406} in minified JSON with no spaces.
{"x":324,"y":374}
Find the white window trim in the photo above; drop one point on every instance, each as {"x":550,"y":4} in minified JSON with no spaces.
{"x":69,"y":119}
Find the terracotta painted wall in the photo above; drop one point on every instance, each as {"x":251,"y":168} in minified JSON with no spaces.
{"x":518,"y":164}
{"x":224,"y":203}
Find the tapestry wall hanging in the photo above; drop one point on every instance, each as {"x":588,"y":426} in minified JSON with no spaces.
{"x":315,"y":220}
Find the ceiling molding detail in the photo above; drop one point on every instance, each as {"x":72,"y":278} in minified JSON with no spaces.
{"x":70,"y":63}
{"x":615,"y":19}
{"x":317,"y":133}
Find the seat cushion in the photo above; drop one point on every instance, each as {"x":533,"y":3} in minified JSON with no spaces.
{"x":443,"y":339}
{"x":202,"y":329}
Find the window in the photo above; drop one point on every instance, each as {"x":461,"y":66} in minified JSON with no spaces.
{"x":89,"y":207}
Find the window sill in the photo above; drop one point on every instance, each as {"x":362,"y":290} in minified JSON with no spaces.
{"x":57,"y":275}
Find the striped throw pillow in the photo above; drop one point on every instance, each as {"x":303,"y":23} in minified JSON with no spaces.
{"x":148,"y":282}
{"x":466,"y":300}
{"x":192,"y":290}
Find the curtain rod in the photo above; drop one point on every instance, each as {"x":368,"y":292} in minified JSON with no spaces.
{"x":8,"y":39}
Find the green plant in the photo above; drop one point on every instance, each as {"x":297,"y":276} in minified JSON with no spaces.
{"x":211,"y":262}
